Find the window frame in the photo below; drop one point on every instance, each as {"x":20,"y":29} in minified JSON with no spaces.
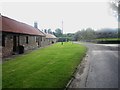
{"x":27,"y":40}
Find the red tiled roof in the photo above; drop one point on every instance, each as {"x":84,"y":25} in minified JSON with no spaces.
{"x":10,"y":25}
{"x":50,"y":35}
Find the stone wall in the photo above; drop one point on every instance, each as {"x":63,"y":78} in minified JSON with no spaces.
{"x":43,"y":42}
{"x":32,"y":44}
{"x":7,"y":50}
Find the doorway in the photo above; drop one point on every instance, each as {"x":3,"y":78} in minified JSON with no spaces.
{"x":14,"y":43}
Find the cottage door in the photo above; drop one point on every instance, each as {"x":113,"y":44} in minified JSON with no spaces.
{"x":40,"y":41}
{"x":14,"y":44}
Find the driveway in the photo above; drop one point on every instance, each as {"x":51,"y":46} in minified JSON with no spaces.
{"x":99,"y":68}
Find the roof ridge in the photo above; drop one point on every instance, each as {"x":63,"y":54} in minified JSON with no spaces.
{"x":20,"y":27}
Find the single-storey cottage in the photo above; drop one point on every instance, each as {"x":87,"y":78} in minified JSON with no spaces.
{"x":18,"y":37}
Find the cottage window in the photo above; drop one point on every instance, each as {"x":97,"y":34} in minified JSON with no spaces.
{"x":3,"y":40}
{"x":26,"y":39}
{"x":37,"y":39}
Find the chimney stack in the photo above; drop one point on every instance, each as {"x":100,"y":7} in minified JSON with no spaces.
{"x":35,"y":24}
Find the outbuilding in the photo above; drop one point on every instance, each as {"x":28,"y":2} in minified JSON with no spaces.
{"x":50,"y":39}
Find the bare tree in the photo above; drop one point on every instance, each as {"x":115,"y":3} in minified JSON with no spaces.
{"x":115,"y":6}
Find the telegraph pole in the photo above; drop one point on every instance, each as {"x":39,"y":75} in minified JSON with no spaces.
{"x":62,"y":26}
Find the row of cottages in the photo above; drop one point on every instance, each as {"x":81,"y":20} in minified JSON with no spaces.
{"x":18,"y":37}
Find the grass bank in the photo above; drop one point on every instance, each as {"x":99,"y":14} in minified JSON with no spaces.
{"x":49,"y":67}
{"x":108,"y":39}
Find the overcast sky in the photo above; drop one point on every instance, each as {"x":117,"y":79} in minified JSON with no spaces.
{"x":75,"y":15}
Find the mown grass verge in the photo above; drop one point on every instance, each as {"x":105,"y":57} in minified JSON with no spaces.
{"x":49,"y":67}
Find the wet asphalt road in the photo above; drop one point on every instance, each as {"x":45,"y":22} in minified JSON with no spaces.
{"x":99,"y":68}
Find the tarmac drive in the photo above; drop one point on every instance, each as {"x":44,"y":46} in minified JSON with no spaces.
{"x":99,"y":69}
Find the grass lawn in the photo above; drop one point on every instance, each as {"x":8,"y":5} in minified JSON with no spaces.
{"x":49,"y":67}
